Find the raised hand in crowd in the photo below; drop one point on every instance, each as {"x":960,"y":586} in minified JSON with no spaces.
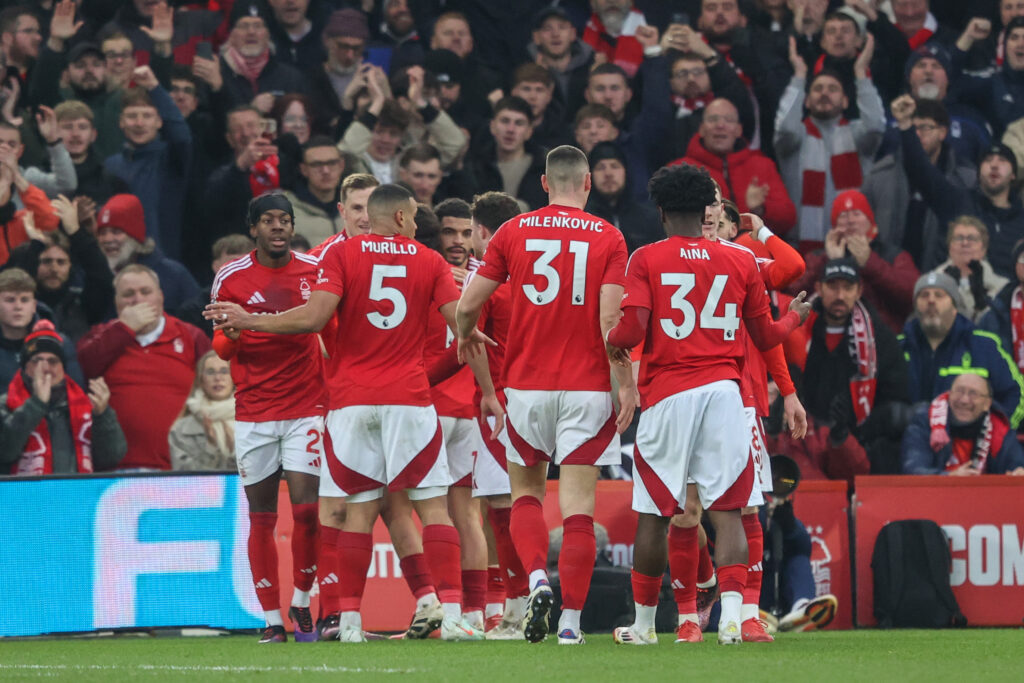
{"x":46,"y":120}
{"x":9,"y":162}
{"x":379,"y":92}
{"x":647,"y":36}
{"x":358,"y":82}
{"x":796,"y":61}
{"x":144,"y":77}
{"x":99,"y":395}
{"x":258,"y":149}
{"x":682,"y":38}
{"x":978,"y":28}
{"x":86,"y":209}
{"x":67,"y":212}
{"x":415,"y":94}
{"x":163,"y":25}
{"x":863,"y":7}
{"x":264,"y":102}
{"x":903,"y":108}
{"x":42,"y":382}
{"x":63,"y":25}
{"x":835,"y":244}
{"x":863,"y":61}
{"x":756,"y":195}
{"x":859,"y":247}
{"x":10,"y":91}
{"x":208,"y":71}
{"x":28,"y":221}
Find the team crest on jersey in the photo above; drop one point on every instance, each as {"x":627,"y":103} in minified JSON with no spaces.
{"x":179,"y":346}
{"x":304,"y":289}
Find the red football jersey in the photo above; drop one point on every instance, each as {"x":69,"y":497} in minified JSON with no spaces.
{"x":697,"y":292}
{"x":454,"y":396}
{"x":319,"y":249}
{"x":388,"y":286}
{"x":556,"y":260}
{"x":277,"y":376}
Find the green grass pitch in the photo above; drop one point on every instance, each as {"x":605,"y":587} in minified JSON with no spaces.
{"x":964,"y":656}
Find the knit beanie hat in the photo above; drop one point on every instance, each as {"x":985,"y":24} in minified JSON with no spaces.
{"x":851,"y":200}
{"x":941,"y":281}
{"x":347,"y":23}
{"x":249,"y":8}
{"x":42,"y":339}
{"x":124,"y":211}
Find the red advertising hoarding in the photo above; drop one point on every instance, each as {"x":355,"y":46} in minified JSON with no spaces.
{"x":823,"y":508}
{"x":983,"y":517}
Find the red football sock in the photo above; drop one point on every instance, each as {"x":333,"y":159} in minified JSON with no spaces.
{"x":705,"y":569}
{"x":441,"y":546}
{"x":263,"y":559}
{"x":517,"y":581}
{"x":495,"y":586}
{"x":325,"y":571}
{"x":645,"y":588}
{"x":416,"y":572}
{"x":682,"y":565}
{"x":474,"y":590}
{"x":576,"y":561}
{"x":732,"y":577}
{"x":304,"y":527}
{"x":355,"y":551}
{"x":529,"y":533}
{"x":755,"y":545}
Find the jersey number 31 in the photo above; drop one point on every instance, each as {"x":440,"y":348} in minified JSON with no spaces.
{"x":549,"y":249}
{"x":685,"y":282}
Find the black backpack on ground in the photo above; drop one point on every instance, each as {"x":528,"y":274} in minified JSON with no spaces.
{"x":911,"y":562}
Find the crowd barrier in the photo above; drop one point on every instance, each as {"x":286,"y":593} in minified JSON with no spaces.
{"x":99,"y":552}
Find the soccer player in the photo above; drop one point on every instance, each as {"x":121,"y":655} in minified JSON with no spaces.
{"x":490,"y":211}
{"x":565,"y":270}
{"x":453,"y":399}
{"x":689,"y":384}
{"x":279,"y":407}
{"x":397,"y":510}
{"x":691,"y":569}
{"x":381,"y":287}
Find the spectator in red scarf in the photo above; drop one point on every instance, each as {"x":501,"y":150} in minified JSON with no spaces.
{"x":611,"y":32}
{"x":695,"y":81}
{"x":248,"y":72}
{"x":961,"y":434}
{"x":50,"y":425}
{"x":854,"y":380}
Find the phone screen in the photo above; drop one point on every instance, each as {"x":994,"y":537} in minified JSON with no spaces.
{"x":204,"y":50}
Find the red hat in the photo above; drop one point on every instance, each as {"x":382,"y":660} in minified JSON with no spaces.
{"x":124,"y":212}
{"x":851,"y":200}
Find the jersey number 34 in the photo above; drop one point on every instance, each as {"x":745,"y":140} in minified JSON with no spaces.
{"x":729,"y":322}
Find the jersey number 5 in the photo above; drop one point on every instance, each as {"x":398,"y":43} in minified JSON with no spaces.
{"x":549,"y":249}
{"x":685,"y":282}
{"x":378,"y":292}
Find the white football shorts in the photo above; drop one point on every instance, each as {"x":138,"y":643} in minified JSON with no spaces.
{"x":576,"y":427}
{"x":261,"y":448}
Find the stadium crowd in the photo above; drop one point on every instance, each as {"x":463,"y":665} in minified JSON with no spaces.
{"x":881,"y":140}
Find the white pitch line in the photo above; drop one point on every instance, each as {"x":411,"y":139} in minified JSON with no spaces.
{"x":199,"y":668}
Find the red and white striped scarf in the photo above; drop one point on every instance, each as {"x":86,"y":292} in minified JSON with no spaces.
{"x":687,"y":105}
{"x":923,"y":34}
{"x":627,"y":52}
{"x":1017,"y":325}
{"x":938,"y":414}
{"x":818,"y":161}
{"x":865,"y":354}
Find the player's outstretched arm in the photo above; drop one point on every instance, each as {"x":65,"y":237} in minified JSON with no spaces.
{"x":474,"y":296}
{"x":767,"y":333}
{"x":310,"y":317}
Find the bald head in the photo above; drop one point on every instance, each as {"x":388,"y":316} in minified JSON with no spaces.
{"x":720,"y":127}
{"x":567,"y":171}
{"x":392,"y":210}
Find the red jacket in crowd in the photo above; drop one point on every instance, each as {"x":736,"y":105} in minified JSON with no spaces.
{"x":734,"y":174}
